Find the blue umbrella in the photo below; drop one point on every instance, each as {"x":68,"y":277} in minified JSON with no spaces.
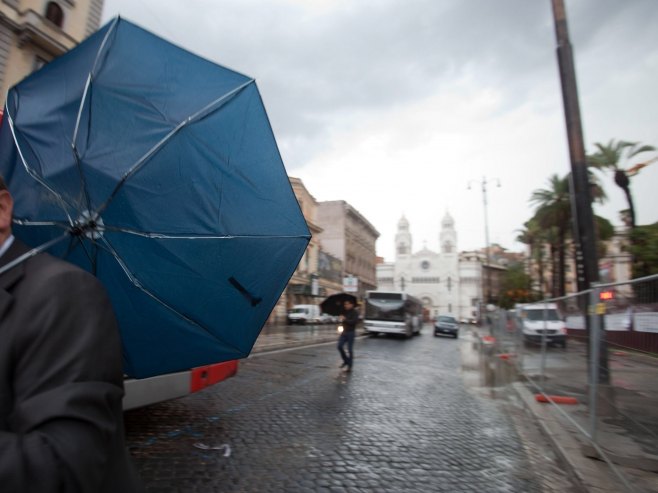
{"x":158,"y":171}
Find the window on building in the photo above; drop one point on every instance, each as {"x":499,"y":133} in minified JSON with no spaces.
{"x":55,"y":14}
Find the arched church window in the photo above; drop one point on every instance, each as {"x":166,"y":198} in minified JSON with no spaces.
{"x":402,"y":249}
{"x":55,"y":14}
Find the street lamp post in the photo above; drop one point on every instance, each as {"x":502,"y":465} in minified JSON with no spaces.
{"x":486,"y":295}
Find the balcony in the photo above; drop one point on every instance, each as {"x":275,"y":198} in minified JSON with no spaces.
{"x":32,"y":28}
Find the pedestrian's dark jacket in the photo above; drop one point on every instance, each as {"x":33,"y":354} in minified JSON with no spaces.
{"x":350,"y":320}
{"x":61,"y":382}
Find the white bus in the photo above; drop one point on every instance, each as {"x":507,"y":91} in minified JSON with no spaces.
{"x":393,"y":313}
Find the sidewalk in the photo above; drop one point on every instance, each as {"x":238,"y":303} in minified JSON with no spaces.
{"x":627,"y":426}
{"x":276,"y":337}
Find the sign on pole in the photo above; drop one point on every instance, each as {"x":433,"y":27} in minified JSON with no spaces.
{"x":350,"y":284}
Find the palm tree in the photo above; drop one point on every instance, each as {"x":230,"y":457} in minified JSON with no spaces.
{"x":613,"y":156}
{"x":553,"y":212}
{"x":532,"y":235}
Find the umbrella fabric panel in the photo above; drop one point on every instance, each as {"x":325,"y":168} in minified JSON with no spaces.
{"x":333,"y":305}
{"x":177,"y":83}
{"x":174,"y":79}
{"x":200,"y":178}
{"x":233,"y":293}
{"x":46,"y":118}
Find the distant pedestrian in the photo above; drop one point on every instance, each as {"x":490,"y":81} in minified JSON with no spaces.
{"x":349,"y":319}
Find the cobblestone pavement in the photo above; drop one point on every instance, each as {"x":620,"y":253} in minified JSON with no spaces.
{"x":291,"y":421}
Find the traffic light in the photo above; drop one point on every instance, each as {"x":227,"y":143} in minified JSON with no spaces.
{"x":606,"y":295}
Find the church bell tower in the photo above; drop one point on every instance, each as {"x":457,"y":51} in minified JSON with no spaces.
{"x":403,"y":239}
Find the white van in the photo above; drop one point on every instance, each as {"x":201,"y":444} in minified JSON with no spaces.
{"x":304,"y":314}
{"x":539,"y":320}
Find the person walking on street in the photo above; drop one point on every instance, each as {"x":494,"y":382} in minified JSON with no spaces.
{"x":349,"y":319}
{"x":61,"y":377}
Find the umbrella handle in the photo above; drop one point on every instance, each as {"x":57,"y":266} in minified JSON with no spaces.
{"x":252,"y":299}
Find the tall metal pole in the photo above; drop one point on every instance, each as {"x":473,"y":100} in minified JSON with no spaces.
{"x":581,"y":204}
{"x":486,"y":239}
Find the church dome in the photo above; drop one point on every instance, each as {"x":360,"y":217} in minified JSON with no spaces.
{"x":403,"y":224}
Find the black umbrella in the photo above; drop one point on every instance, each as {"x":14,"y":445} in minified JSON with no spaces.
{"x":333,"y":305}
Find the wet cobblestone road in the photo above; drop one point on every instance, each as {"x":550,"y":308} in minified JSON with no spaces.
{"x":292,"y":421}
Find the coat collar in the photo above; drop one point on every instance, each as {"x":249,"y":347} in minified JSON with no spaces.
{"x":12,"y":276}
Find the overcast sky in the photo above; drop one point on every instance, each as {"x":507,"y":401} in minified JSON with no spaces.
{"x":396,"y":106}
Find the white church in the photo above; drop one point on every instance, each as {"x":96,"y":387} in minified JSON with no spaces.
{"x":447,"y":282}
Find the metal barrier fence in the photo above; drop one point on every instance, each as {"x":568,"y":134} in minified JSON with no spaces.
{"x":599,"y":369}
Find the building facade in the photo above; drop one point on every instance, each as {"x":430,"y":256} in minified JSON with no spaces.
{"x":318,"y":273}
{"x":349,"y":237}
{"x":33,"y":32}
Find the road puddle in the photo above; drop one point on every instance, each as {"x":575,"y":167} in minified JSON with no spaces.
{"x":484,"y":368}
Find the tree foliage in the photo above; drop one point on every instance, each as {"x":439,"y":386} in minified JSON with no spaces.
{"x":614,"y":156}
{"x":516,"y":287}
{"x":644,"y":249}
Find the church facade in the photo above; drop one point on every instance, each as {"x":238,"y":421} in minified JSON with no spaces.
{"x":447,"y":282}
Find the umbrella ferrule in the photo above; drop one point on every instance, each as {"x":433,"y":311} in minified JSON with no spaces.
{"x":88,"y":224}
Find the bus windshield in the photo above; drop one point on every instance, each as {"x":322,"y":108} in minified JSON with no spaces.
{"x":386,"y":307}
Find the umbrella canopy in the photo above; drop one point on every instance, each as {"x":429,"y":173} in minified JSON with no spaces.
{"x":333,"y":305}
{"x":157,"y":171}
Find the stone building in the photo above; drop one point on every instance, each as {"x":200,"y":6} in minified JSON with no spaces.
{"x":349,"y":237}
{"x":33,"y":32}
{"x":318,"y":274}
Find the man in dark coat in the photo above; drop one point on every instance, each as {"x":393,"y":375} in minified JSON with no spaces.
{"x":61,"y":378}
{"x":349,"y":320}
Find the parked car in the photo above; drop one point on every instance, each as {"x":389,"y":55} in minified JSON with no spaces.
{"x":446,"y":324}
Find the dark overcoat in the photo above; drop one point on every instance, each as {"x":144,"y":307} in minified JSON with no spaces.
{"x":61,"y":381}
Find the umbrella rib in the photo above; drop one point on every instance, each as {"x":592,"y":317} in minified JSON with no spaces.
{"x":92,"y":258}
{"x":139,"y":286}
{"x":63,"y":204}
{"x":102,"y":46}
{"x":27,"y":222}
{"x":189,"y":236}
{"x":32,"y":253}
{"x":190,"y":119}
{"x":80,"y":108}
{"x":88,"y":82}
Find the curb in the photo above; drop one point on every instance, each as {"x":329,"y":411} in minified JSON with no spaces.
{"x":289,"y":344}
{"x":591,"y":475}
